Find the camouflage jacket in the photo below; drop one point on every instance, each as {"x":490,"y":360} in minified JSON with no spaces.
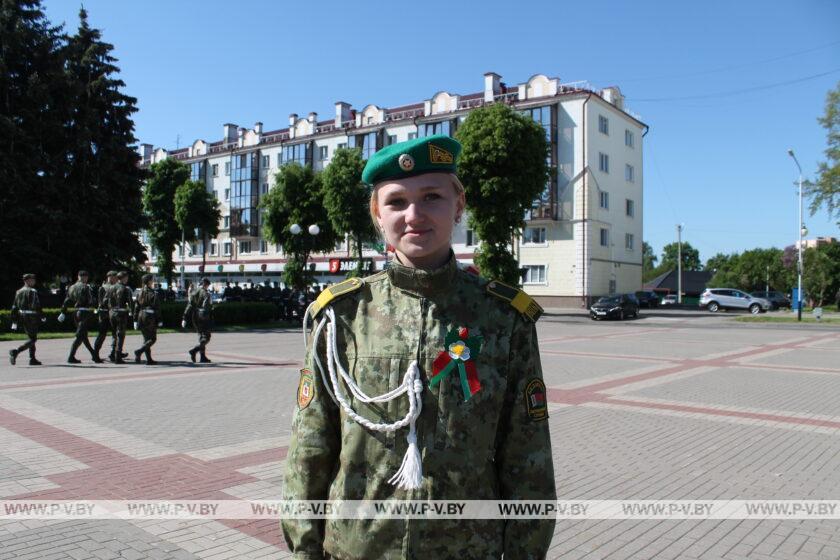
{"x":119,"y":298}
{"x":26,"y":299}
{"x":79,"y":295}
{"x":148,"y":306}
{"x":102,"y":296}
{"x":199,"y":307}
{"x":495,"y":445}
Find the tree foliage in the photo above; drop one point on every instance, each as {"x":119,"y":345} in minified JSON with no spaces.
{"x":821,"y":273}
{"x":826,"y":190}
{"x":752,"y":270}
{"x":690,"y":256}
{"x":68,"y":168}
{"x":503,"y":168}
{"x":197,"y":213}
{"x":346,"y":199}
{"x":297,"y":198}
{"x":159,"y":203}
{"x":649,"y":259}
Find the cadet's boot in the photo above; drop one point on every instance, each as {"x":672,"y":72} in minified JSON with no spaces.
{"x":73,"y":360}
{"x":34,"y":362}
{"x":123,"y":354}
{"x":137,"y":354}
{"x":149,"y":360}
{"x":193,"y":352}
{"x":205,"y":360}
{"x":13,"y":356}
{"x":97,"y":359}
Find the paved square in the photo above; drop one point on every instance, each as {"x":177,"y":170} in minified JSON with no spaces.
{"x":668,"y":406}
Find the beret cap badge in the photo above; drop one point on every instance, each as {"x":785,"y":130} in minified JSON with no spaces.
{"x":406,"y":162}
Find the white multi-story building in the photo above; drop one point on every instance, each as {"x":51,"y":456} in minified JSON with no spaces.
{"x":583,"y":237}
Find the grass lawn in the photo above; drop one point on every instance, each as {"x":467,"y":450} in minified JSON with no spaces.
{"x":92,"y":334}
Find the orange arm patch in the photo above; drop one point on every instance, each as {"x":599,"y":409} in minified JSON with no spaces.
{"x":306,"y":388}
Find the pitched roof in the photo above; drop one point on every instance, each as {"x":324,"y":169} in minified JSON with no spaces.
{"x":693,"y":281}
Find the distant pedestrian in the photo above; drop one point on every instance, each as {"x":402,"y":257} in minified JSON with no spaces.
{"x":200,"y":310}
{"x":120,"y":308}
{"x":147,"y":318}
{"x":80,"y":295}
{"x":26,"y":312}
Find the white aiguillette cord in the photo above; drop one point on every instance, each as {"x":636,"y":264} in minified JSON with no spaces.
{"x":410,"y":474}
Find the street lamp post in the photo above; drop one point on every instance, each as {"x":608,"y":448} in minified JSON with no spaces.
{"x":313,"y":230}
{"x":679,"y":263}
{"x":801,"y":230}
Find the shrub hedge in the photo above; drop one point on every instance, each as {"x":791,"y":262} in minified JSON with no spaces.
{"x":227,"y":313}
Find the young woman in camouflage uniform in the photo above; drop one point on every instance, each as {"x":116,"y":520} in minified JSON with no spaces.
{"x":461,"y":412}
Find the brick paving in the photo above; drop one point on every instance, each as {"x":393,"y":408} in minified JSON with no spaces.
{"x":671,"y":406}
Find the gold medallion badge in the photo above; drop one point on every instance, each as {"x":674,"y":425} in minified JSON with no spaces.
{"x":439,"y":155}
{"x":406,"y":162}
{"x":306,"y":389}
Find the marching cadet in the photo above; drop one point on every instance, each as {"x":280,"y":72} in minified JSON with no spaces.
{"x":448,"y":400}
{"x":81,"y":297}
{"x":26,"y":310}
{"x":147,"y":317}
{"x":200,"y":310}
{"x":119,"y":310}
{"x":103,"y":321}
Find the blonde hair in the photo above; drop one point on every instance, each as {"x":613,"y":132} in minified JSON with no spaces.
{"x":374,"y":203}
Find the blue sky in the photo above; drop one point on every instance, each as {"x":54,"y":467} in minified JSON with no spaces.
{"x":716,"y":163}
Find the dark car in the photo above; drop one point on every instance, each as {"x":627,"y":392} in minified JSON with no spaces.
{"x":777,"y":299}
{"x":615,"y":307}
{"x":647,"y":299}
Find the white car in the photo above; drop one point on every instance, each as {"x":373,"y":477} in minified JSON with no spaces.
{"x":669,"y":300}
{"x":715,"y":299}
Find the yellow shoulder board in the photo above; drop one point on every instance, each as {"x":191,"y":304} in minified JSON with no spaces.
{"x":349,"y":285}
{"x":520,"y":301}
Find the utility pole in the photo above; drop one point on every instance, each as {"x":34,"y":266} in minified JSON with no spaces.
{"x":802,"y":231}
{"x":679,"y":263}
{"x":767,"y":282}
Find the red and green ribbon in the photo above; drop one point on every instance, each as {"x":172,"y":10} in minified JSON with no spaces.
{"x":460,"y":353}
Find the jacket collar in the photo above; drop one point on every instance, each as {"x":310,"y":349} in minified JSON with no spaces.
{"x":423,"y":282}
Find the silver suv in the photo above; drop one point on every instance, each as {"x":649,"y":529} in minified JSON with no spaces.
{"x":715,"y":299}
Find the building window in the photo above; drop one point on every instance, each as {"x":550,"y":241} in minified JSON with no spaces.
{"x":244,"y":247}
{"x":226,"y":247}
{"x":603,"y":162}
{"x":605,"y":237}
{"x":604,"y":200}
{"x":226,"y":222}
{"x":392,"y":139}
{"x":430,"y":129}
{"x":533,"y":235}
{"x":341,"y":146}
{"x":629,"y":207}
{"x":264,"y":188}
{"x":215,"y":170}
{"x":323,"y":151}
{"x":628,"y":139}
{"x":603,"y":125}
{"x":227,"y":168}
{"x":279,"y":159}
{"x":227,"y":194}
{"x":263,"y":246}
{"x":367,"y":142}
{"x":266,"y":162}
{"x":214,"y":248}
{"x":194,"y":249}
{"x":534,"y":274}
{"x":412,"y":135}
{"x":472,"y":238}
{"x":297,"y":153}
{"x":628,"y":241}
{"x":629,"y":175}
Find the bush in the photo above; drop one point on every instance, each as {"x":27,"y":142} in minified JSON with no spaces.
{"x":227,"y":313}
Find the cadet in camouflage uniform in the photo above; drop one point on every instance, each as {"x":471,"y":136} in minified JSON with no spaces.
{"x":482,"y":430}
{"x":103,"y":321}
{"x":120,"y":308}
{"x":80,"y":295}
{"x":147,"y":317}
{"x":200,"y":310}
{"x":26,"y":311}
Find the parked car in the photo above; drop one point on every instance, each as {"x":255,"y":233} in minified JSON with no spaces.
{"x":615,"y":307}
{"x":777,"y":299}
{"x":670,"y":299}
{"x":715,"y":299}
{"x":647,"y":299}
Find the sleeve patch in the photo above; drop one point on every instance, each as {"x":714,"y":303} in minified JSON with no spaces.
{"x":536,"y":401}
{"x":306,"y":389}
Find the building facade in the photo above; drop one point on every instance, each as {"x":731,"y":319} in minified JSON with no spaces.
{"x":583,"y":236}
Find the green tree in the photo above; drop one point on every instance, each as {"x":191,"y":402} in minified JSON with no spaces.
{"x":826,"y":190}
{"x":102,"y":182}
{"x":346,"y":199}
{"x":197,"y":213}
{"x":159,"y":203}
{"x":297,"y":198}
{"x":503,"y":168}
{"x":821,"y":273}
{"x":690,"y":257}
{"x":717,"y":262}
{"x":752,"y":270}
{"x":31,"y":144}
{"x":649,"y":259}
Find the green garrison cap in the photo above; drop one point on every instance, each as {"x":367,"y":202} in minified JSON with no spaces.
{"x":29,"y":276}
{"x":429,"y":154}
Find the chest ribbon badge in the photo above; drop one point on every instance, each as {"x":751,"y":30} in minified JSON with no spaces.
{"x":460,"y":353}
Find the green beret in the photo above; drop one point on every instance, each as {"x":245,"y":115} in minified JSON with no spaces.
{"x":122,"y":274}
{"x":83,"y":273}
{"x":29,"y":276}
{"x":111,"y":273}
{"x":429,"y":154}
